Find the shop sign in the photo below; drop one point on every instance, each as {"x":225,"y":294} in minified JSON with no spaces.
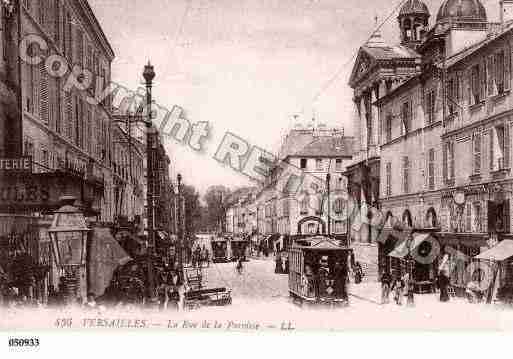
{"x":20,"y":164}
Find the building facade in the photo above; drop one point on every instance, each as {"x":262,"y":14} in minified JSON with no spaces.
{"x":442,"y":121}
{"x":279,"y":211}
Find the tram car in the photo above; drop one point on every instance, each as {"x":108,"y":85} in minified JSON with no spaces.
{"x":318,"y":272}
{"x":219,"y":249}
{"x":238,"y":248}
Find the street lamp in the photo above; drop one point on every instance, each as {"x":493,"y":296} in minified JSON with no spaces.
{"x":68,"y":234}
{"x":149,"y":75}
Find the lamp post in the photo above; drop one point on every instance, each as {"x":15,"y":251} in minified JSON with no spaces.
{"x":68,"y":234}
{"x":149,"y":75}
{"x":180,"y":223}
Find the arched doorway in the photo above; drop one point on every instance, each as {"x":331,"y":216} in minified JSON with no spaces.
{"x":431,"y":219}
{"x":407,"y":221}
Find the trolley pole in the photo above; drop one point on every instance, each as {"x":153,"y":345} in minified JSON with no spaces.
{"x":149,"y":75}
{"x":328,"y":180}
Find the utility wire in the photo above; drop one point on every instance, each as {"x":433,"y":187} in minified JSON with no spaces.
{"x":328,"y":83}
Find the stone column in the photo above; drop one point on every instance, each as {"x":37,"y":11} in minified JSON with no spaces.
{"x":357,"y":124}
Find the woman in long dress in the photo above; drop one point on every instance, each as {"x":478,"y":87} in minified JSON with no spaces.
{"x":443,"y":284}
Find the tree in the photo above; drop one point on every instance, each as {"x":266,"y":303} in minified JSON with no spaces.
{"x":216,"y":198}
{"x":192,"y":210}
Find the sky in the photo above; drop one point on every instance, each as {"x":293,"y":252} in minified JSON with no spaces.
{"x":246,"y":66}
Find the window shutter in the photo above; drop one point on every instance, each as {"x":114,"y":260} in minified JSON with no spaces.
{"x":469,"y":218}
{"x":482,"y":89}
{"x":506,"y":145}
{"x":506,"y":219}
{"x":507,"y":68}
{"x":44,"y":94}
{"x":492,"y":216}
{"x":469,"y":87}
{"x":491,"y":72}
{"x":477,"y":154}
{"x":444,"y":164}
{"x":452,"y":159}
{"x":491,"y":149}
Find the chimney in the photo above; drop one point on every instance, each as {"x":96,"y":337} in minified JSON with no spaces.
{"x":506,"y":11}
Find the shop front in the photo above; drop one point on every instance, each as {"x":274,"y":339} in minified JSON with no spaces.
{"x":25,"y":259}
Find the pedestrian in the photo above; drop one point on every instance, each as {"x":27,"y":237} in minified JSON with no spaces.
{"x":398,"y":287}
{"x":340,"y":280}
{"x":91,"y":301}
{"x":443,"y":284}
{"x":277,"y":268}
{"x":410,"y":287}
{"x":358,"y":273}
{"x":385,"y":287}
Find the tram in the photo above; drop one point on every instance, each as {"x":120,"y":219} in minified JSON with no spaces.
{"x":238,"y":248}
{"x":318,"y":272}
{"x":219,"y":249}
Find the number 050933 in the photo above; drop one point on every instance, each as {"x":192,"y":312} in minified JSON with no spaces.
{"x":23,"y":342}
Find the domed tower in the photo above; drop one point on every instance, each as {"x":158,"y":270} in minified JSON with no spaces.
{"x":461,"y":11}
{"x":413,"y":21}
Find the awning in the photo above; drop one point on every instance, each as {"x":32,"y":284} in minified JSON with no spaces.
{"x":503,"y":250}
{"x":401,"y":250}
{"x":105,"y":256}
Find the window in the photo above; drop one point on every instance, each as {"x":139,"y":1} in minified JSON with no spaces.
{"x":468,"y":217}
{"x":406,"y":174}
{"x":338,"y":164}
{"x":318,"y":164}
{"x":303,"y":163}
{"x":500,"y":72}
{"x":28,"y":147}
{"x":448,"y":161}
{"x":452,"y":96}
{"x":338,"y":206}
{"x":339,"y":227}
{"x":388,"y":170}
{"x":406,"y":116}
{"x":477,"y":220}
{"x":303,"y":205}
{"x":475,"y":85}
{"x":499,"y":147}
{"x":430,"y":106}
{"x":286,"y":208}
{"x":431,"y":169}
{"x":338,"y":184}
{"x":476,"y":144}
{"x":388,"y":128}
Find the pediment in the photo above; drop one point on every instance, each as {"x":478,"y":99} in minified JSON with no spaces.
{"x":364,"y":62}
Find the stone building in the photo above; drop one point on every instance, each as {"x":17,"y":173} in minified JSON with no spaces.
{"x":276,"y":211}
{"x":435,"y":113}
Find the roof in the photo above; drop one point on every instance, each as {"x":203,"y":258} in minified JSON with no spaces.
{"x":389,"y":52}
{"x":414,"y":7}
{"x":463,"y":54}
{"x":462,"y":10}
{"x":500,"y":252}
{"x":321,"y":243}
{"x":318,"y":146}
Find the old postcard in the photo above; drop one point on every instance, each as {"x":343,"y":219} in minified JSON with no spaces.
{"x":255,"y":166}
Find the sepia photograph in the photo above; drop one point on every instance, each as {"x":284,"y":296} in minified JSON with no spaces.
{"x":255,"y":166}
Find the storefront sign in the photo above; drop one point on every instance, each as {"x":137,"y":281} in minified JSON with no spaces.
{"x":21,"y":164}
